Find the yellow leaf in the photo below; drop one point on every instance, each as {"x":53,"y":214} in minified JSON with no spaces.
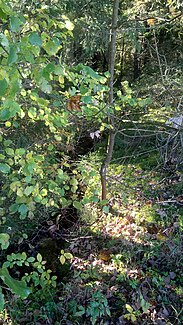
{"x":161,"y":237}
{"x":62,"y":259}
{"x":69,"y":25}
{"x":68,"y":256}
{"x":129,"y":308}
{"x":105,"y":255}
{"x":151,"y":21}
{"x":61,"y":79}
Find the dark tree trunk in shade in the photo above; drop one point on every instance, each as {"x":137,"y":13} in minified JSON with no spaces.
{"x":111,"y":138}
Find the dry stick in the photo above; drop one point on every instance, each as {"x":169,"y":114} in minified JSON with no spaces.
{"x":158,"y":57}
{"x":111,"y":138}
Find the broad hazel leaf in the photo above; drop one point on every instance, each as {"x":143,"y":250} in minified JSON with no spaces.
{"x":35,"y":39}
{"x":45,"y":87}
{"x":4,"y":240}
{"x":77,"y":205}
{"x":15,"y":24}
{"x":20,"y":151}
{"x":12,"y":57}
{"x":10,"y":151}
{"x":3,"y":40}
{"x":28,"y":190}
{"x":5,"y":8}
{"x":44,"y":192}
{"x":17,"y":287}
{"x":32,"y":112}
{"x":89,"y":71}
{"x":3,"y":87}
{"x":51,"y":48}
{"x":4,"y":168}
{"x":105,"y":209}
{"x":87,"y":99}
{"x":3,"y":14}
{"x":10,"y":110}
{"x":5,"y":114}
{"x":23,"y":209}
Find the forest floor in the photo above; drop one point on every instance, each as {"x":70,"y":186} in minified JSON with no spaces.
{"x":127,"y":256}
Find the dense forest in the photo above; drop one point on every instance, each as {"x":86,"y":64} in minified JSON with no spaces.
{"x":91,"y":162}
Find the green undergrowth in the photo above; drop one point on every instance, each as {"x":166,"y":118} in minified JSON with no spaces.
{"x":126,"y":265}
{"x":134,"y":255}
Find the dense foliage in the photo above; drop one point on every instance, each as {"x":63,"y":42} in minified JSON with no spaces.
{"x":68,"y":256}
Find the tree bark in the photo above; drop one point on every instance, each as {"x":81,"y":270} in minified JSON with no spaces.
{"x":111,"y":138}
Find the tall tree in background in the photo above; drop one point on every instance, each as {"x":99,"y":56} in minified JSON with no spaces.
{"x":111,"y":138}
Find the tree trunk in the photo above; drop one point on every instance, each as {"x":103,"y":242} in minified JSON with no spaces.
{"x":111,"y":138}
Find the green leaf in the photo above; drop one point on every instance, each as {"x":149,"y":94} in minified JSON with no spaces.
{"x":81,"y":311}
{"x":49,"y":68}
{"x":105,"y":209}
{"x":23,"y":209}
{"x":28,"y":190}
{"x":14,"y":207}
{"x":12,"y":57}
{"x":14,"y":87}
{"x":44,"y":192}
{"x":83,"y":90}
{"x":6,"y":8}
{"x":3,"y":87}
{"x":19,"y":192}
{"x":31,"y":166}
{"x":38,"y":198}
{"x":5,"y":114}
{"x":89,"y":71}
{"x":32,"y":112}
{"x":44,"y":85}
{"x":87,"y":99}
{"x":50,"y":147}
{"x":1,"y":300}
{"x":77,"y":205}
{"x":3,"y":14}
{"x":7,"y":143}
{"x":73,"y":181}
{"x":4,"y":168}
{"x":35,"y":39}
{"x":4,"y":40}
{"x":29,"y":56}
{"x":10,"y":151}
{"x":51,"y":48}
{"x":31,"y":259}
{"x":15,"y":24}
{"x":20,"y":151}
{"x":39,"y":258}
{"x":15,"y":124}
{"x":17,"y":287}
{"x":4,"y":240}
{"x":95,"y":199}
